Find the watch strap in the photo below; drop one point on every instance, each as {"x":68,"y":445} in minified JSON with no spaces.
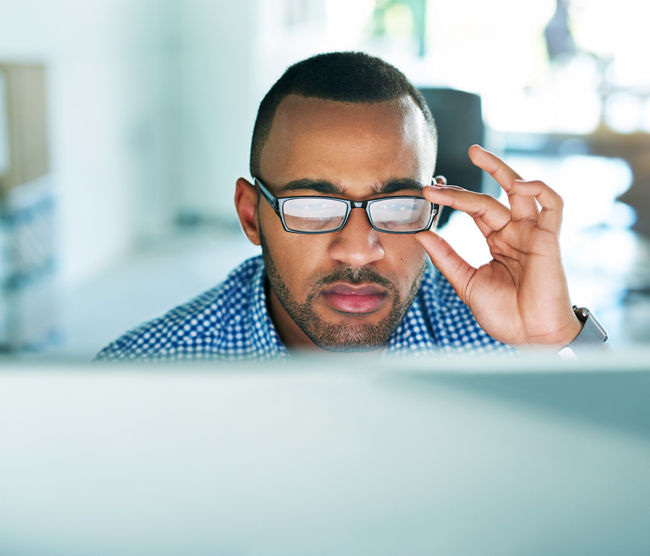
{"x":593,"y":332}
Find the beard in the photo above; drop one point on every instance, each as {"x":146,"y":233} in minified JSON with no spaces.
{"x":336,"y":337}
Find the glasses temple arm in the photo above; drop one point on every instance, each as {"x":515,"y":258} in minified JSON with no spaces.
{"x":271,"y":199}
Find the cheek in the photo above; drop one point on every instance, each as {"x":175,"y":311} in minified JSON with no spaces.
{"x":406,"y":258}
{"x":297,"y":258}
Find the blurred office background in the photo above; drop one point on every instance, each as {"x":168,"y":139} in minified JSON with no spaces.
{"x":124,"y":125}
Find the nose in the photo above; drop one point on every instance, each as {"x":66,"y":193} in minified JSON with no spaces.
{"x":357,"y":244}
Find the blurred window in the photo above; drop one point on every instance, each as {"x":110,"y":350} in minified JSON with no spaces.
{"x":540,"y":66}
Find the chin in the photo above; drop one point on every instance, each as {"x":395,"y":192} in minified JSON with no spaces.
{"x":342,"y":338}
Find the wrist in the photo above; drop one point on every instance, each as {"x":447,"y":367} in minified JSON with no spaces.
{"x":574,"y":331}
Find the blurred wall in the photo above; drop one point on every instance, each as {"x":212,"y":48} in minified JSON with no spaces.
{"x":151,"y":107}
{"x":110,"y":92}
{"x":217,"y":102}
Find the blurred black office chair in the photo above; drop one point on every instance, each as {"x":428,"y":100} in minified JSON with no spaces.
{"x":459,"y":119}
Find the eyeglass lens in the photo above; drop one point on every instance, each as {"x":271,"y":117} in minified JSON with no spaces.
{"x":313,"y":215}
{"x":391,"y":214}
{"x":400,"y":215}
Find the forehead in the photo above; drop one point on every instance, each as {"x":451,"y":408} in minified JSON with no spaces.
{"x":347,"y":143}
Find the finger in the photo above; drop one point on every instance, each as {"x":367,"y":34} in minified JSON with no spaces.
{"x":522,"y":207}
{"x":453,"y":267}
{"x":550,"y":218}
{"x":478,"y":205}
{"x":483,"y":227}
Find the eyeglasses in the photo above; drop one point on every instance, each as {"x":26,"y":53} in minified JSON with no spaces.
{"x":321,"y":215}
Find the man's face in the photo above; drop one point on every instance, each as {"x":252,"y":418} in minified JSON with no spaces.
{"x":347,"y":289}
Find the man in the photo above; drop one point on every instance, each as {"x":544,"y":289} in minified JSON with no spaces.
{"x":342,"y":158}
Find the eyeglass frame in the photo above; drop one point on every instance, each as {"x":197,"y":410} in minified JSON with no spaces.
{"x":277,"y":202}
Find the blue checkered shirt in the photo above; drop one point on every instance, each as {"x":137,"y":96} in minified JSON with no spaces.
{"x":231,"y":321}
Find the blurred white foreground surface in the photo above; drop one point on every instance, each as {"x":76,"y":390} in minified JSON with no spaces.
{"x":334,"y":455}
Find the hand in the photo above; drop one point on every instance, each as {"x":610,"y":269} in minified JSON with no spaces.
{"x":521,"y":295}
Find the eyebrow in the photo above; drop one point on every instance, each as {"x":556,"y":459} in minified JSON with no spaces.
{"x":324,"y":186}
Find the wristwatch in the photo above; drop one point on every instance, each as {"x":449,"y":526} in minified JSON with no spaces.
{"x":593,"y":333}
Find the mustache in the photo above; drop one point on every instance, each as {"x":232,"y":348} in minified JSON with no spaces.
{"x":355,"y":276}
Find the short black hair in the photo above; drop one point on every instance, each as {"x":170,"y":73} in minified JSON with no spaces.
{"x":338,"y":76}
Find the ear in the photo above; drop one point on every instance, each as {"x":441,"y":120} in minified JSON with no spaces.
{"x":246,"y":205}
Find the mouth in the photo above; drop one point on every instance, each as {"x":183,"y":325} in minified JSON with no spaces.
{"x":357,"y":299}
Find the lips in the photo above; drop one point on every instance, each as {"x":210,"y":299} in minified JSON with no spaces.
{"x":354,"y":298}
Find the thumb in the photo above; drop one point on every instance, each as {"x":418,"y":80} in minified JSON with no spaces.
{"x":453,"y":267}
